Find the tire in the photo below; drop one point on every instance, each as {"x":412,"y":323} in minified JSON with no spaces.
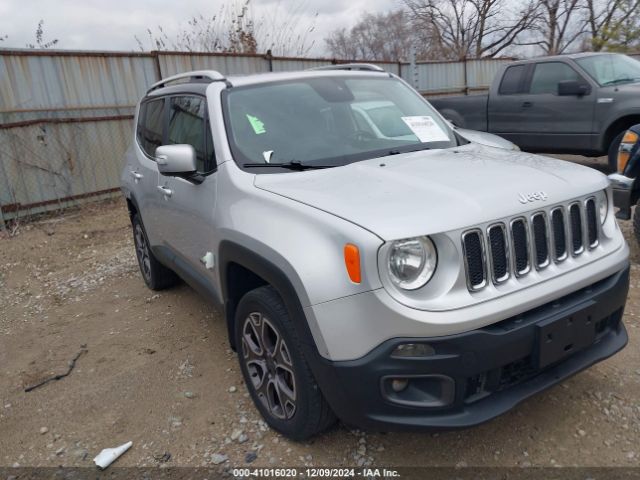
{"x":613,"y":151}
{"x":636,"y":221}
{"x":296,"y":408}
{"x":154,"y":274}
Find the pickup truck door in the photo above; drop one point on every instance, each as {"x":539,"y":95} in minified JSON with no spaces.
{"x":189,"y":204}
{"x":543,"y":121}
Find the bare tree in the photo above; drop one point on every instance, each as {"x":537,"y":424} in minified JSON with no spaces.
{"x":559,"y":25}
{"x":607,"y":20}
{"x":382,"y":36}
{"x":40,"y":41}
{"x":235,"y":29}
{"x":625,"y":37}
{"x":472,"y":28}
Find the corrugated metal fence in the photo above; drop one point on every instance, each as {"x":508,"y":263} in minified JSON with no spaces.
{"x":65,"y":117}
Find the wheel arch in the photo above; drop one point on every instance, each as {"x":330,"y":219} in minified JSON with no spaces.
{"x":241,"y":270}
{"x":132,"y":205}
{"x":620,"y":124}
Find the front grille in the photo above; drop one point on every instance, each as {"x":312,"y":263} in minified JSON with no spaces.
{"x":512,"y":247}
{"x":576,"y":229}
{"x":498,"y":252}
{"x":474,"y":258}
{"x":520,"y":239}
{"x":592,"y":222}
{"x":540,"y":239}
{"x":559,"y":234}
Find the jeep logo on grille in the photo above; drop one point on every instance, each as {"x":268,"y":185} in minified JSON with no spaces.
{"x":532,"y":197}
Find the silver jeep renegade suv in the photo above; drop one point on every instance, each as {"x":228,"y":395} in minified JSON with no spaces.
{"x":373,"y":263}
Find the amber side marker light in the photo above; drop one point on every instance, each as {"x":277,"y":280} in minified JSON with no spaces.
{"x":352,"y":262}
{"x":624,"y":152}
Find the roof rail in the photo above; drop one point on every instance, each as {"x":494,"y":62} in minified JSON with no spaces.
{"x":351,"y":66}
{"x":212,"y":75}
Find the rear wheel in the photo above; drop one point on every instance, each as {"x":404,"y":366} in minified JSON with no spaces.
{"x":613,"y":151}
{"x":275,"y":371}
{"x":154,"y":274}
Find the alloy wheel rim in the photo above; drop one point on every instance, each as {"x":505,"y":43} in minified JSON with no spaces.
{"x":268,"y":363}
{"x":142,"y":252}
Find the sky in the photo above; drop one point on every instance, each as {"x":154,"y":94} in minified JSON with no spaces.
{"x":112,"y":24}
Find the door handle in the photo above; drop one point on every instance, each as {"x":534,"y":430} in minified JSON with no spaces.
{"x":136,"y":175}
{"x":166,"y":191}
{"x":527,"y":104}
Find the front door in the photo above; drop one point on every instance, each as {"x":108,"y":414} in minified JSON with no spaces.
{"x":555,"y":122}
{"x":189,"y":204}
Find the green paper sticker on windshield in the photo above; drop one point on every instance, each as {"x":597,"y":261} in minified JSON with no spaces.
{"x":256,"y":124}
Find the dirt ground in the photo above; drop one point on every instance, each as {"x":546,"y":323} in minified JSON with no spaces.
{"x":158,"y":371}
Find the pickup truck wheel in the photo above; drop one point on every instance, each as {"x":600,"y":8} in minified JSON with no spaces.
{"x":154,"y":274}
{"x":613,"y":151}
{"x":277,"y":376}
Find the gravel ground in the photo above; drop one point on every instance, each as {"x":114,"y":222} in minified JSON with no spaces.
{"x":158,"y":371}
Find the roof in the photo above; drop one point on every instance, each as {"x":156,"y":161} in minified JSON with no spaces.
{"x":572,"y":56}
{"x":242,"y":80}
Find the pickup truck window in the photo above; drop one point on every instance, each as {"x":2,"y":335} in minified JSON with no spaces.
{"x":512,"y":80}
{"x":611,"y":69}
{"x":320,"y":120}
{"x":546,"y":77}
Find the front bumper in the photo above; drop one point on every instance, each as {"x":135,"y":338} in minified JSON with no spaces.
{"x":623,"y":189}
{"x":490,"y":370}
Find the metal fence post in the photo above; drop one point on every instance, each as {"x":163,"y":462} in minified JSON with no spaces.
{"x":466,"y":77}
{"x":414,"y":67}
{"x":269,"y":58}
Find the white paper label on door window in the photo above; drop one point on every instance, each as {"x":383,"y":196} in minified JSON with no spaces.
{"x":426,"y":129}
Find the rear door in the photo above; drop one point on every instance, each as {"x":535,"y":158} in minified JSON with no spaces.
{"x":188,"y":221}
{"x":144,"y":172}
{"x":549,"y":122}
{"x":504,"y":110}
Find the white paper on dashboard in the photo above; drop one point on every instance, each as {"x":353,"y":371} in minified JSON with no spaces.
{"x":425,"y":129}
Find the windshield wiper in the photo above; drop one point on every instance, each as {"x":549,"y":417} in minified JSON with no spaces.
{"x":292,"y":165}
{"x":398,"y":151}
{"x":620,"y":80}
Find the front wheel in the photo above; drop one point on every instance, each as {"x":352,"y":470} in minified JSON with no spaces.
{"x":613,"y":151}
{"x":275,"y":371}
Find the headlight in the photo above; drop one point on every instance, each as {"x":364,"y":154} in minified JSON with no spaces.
{"x":603,"y":205}
{"x":411,"y":262}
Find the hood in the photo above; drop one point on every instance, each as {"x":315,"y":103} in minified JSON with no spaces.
{"x":435,"y":190}
{"x":487,"y":139}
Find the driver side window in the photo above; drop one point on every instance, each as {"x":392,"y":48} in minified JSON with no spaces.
{"x":188,"y":124}
{"x":546,"y":77}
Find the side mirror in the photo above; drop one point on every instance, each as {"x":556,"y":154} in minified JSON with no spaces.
{"x":176,"y":160}
{"x":573,"y":88}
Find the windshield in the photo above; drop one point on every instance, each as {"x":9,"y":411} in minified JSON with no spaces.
{"x":611,"y":69}
{"x":330,"y":120}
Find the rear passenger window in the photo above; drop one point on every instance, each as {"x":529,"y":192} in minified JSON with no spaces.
{"x":512,"y":80}
{"x":187,"y":125}
{"x":150,"y":123}
{"x":546,"y":77}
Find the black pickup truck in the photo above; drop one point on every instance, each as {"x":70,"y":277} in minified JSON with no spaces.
{"x":580,"y":104}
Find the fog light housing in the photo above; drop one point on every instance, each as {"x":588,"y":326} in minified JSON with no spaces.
{"x":399,"y":384}
{"x":429,"y":391}
{"x":413,"y":350}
